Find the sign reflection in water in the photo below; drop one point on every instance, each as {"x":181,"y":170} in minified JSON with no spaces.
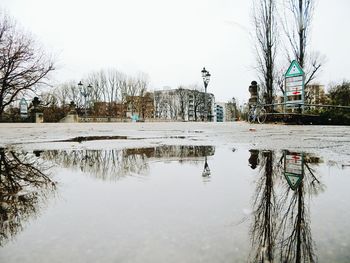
{"x":24,"y":187}
{"x":281,"y":227}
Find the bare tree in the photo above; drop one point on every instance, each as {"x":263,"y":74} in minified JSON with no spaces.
{"x":73,"y":92}
{"x":98,"y":83}
{"x":144,"y":96}
{"x":67,"y":92}
{"x":264,"y":228}
{"x":24,"y":186}
{"x":23,"y":64}
{"x":198,"y":103}
{"x":266,"y":33}
{"x":182,"y":95}
{"x":133,"y":89}
{"x":281,"y":227}
{"x":296,"y":243}
{"x":298,"y":30}
{"x":164,"y":105}
{"x":113,"y":90}
{"x":157,"y":102}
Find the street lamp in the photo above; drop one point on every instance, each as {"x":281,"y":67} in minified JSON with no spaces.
{"x":84,"y":91}
{"x":206,"y":78}
{"x":234,"y":108}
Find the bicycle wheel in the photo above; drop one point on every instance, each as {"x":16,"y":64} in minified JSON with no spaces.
{"x":250,"y":116}
{"x":262,"y":116}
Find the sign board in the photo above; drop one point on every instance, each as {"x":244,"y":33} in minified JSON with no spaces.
{"x":293,"y":168}
{"x":294,"y":85}
{"x":134,"y":118}
{"x":23,"y":108}
{"x":294,"y":70}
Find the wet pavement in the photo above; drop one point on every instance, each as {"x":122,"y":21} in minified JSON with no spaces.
{"x":168,"y":202}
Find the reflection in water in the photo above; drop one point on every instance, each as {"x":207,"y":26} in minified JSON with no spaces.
{"x":24,"y":186}
{"x":281,"y":221}
{"x":263,"y":228}
{"x":206,"y":170}
{"x":116,"y":164}
{"x":254,"y":158}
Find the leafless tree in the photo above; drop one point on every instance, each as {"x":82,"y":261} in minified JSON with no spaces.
{"x":172,"y":105}
{"x":24,"y":186}
{"x":163,"y":107}
{"x":73,"y":92}
{"x":98,"y":83}
{"x":157,"y":102}
{"x":298,"y":30}
{"x":264,"y":229}
{"x":67,"y":92}
{"x":281,"y":222}
{"x":113,"y":90}
{"x":133,"y":90}
{"x":182,"y":95}
{"x":166,"y":104}
{"x":296,"y":237}
{"x":144,"y":96}
{"x":24,"y":66}
{"x":266,"y":32}
{"x":198,"y":103}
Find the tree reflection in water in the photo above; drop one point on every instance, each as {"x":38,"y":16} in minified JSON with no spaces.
{"x":280,"y":230}
{"x":24,"y":187}
{"x":116,"y":164}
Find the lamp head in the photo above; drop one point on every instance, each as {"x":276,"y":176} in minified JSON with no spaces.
{"x":204,"y":73}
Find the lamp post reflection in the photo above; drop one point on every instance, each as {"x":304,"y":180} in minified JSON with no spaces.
{"x":206,"y":171}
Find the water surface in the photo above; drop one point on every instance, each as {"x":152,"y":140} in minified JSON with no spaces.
{"x":173,"y":203}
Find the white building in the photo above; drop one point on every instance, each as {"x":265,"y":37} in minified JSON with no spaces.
{"x":183,"y":105}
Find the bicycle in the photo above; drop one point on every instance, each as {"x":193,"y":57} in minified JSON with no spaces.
{"x":257,"y":113}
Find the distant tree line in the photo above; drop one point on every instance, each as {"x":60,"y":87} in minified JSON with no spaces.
{"x":104,"y":92}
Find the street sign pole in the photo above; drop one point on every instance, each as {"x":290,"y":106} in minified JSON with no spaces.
{"x":23,"y":108}
{"x":294,"y":86}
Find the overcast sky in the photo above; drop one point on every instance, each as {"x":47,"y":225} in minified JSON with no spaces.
{"x":171,"y":40}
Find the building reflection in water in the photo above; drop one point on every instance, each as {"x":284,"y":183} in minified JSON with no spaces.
{"x":116,"y":164}
{"x":281,"y":228}
{"x":25,"y":185}
{"x":25,"y":182}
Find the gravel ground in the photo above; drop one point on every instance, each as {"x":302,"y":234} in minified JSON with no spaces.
{"x":332,"y":142}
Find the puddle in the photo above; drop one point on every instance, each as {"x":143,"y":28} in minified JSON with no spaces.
{"x":116,"y":164}
{"x":93,"y":138}
{"x":174,"y":203}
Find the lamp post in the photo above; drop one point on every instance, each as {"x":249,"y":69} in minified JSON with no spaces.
{"x":206,"y":78}
{"x":234,"y":108}
{"x":84,"y":91}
